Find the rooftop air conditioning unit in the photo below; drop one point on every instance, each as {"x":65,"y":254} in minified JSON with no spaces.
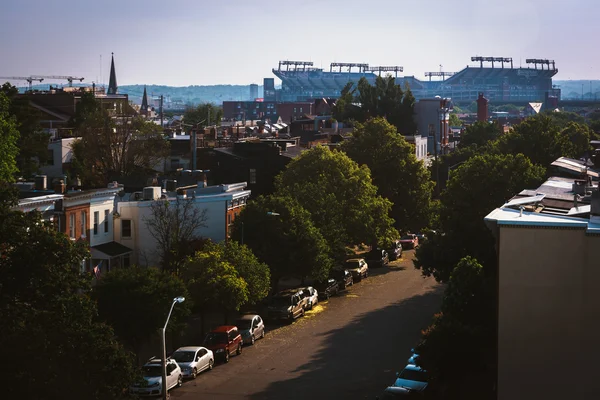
{"x":152,"y":192}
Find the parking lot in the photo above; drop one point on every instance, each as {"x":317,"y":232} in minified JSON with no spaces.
{"x":349,"y":347}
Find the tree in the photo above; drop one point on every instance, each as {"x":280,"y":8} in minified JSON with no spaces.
{"x":174,"y":225}
{"x":110,"y":148}
{"x":135,"y":302}
{"x":50,"y":316}
{"x":289,"y":243}
{"x":205,"y":114}
{"x":478,"y":186}
{"x":343,"y":109}
{"x":454,"y":120}
{"x":214,"y":283}
{"x":579,"y":136}
{"x":539,"y":139}
{"x":480,"y":133}
{"x":339,"y":195}
{"x":406,"y":124}
{"x":32,"y":142}
{"x":468,"y":322}
{"x":9,"y":136}
{"x":256,"y":274}
{"x":400,"y":177}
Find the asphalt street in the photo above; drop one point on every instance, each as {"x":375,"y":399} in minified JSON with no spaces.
{"x":348,"y":347}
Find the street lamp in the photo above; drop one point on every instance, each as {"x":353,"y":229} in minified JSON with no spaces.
{"x":163,"y":361}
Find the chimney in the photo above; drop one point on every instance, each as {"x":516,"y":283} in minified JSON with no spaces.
{"x":482,"y":108}
{"x":41,"y":182}
{"x":59,"y":186}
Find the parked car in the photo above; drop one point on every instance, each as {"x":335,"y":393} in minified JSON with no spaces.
{"x":311,"y":295}
{"x":396,"y":392}
{"x":152,"y":374}
{"x":395,"y":250}
{"x":412,"y":377}
{"x":343,"y":277}
{"x":193,"y":359}
{"x":224,"y":341}
{"x":328,"y":288}
{"x":251,"y":327}
{"x":409,"y":241}
{"x":288,"y":304}
{"x":377,"y":258}
{"x":414,"y":357}
{"x":358,"y":267}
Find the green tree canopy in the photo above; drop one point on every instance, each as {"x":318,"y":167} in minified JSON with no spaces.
{"x":454,"y":120}
{"x":9,"y":137}
{"x":339,"y":195}
{"x":32,"y":143}
{"x":397,"y":173}
{"x":383,"y":99}
{"x":480,"y":133}
{"x":539,"y":138}
{"x":136,"y":302}
{"x":213,"y":282}
{"x":467,"y":321}
{"x":478,"y":186}
{"x":289,"y":243}
{"x":205,"y":114}
{"x":255,"y":273}
{"x":49,"y":316}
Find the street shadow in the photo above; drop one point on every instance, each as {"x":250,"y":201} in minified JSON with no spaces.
{"x":359,"y":360}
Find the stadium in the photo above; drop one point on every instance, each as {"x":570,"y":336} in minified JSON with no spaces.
{"x":494,"y":76}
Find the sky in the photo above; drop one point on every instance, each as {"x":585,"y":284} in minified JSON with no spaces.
{"x":201,"y":42}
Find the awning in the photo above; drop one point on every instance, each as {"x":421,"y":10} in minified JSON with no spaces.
{"x":109,"y":250}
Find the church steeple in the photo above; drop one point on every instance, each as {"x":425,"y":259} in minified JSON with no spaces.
{"x":144,"y":108}
{"x":112,"y":83}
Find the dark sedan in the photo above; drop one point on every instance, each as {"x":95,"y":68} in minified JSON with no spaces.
{"x":377,"y":258}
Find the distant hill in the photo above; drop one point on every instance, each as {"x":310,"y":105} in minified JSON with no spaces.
{"x":574,"y":89}
{"x":190,"y":95}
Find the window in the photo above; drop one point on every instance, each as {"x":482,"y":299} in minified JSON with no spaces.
{"x":50,"y":160}
{"x":106,"y":215}
{"x":431,"y":130}
{"x":72,"y":225}
{"x":83,"y":224}
{"x":125,"y":228}
{"x":252,"y":176}
{"x":96,"y":221}
{"x":294,"y":109}
{"x":300,"y":109}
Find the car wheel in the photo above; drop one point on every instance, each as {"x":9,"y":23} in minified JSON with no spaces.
{"x":366,"y":274}
{"x":211,"y":364}
{"x":252,"y":340}
{"x":194,"y":373}
{"x":302,"y":313}
{"x":262,"y":335}
{"x":310,"y":306}
{"x":226,"y":355}
{"x":179,"y":381}
{"x":239,"y":349}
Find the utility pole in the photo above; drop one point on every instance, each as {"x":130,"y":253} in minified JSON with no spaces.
{"x":161,"y":112}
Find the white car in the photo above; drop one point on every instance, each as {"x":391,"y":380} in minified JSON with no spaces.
{"x":152,"y":384}
{"x":312,"y":297}
{"x":251,"y":328}
{"x":193,"y":359}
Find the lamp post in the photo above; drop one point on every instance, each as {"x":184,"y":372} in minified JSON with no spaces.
{"x":163,"y":361}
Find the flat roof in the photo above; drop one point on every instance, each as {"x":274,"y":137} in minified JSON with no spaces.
{"x":509,"y":216}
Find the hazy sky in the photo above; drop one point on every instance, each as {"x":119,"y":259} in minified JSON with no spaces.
{"x":201,"y":42}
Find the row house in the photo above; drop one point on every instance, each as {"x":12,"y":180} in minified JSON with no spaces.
{"x":223,"y":203}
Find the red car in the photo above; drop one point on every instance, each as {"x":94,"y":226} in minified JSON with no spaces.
{"x":224,"y":341}
{"x":409,"y":241}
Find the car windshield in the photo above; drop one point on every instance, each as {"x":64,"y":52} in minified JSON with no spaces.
{"x":151,"y":371}
{"x":352,"y":264}
{"x":412,"y":375}
{"x":216,"y":338}
{"x":281,"y":302}
{"x":407,"y":237}
{"x":183,"y":356}
{"x":243,"y":323}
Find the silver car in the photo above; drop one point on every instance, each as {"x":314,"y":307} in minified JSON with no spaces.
{"x":193,"y":360}
{"x":251,"y":328}
{"x":312,"y":297}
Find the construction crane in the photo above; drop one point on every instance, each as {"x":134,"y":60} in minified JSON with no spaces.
{"x":68,"y":78}
{"x":29,"y":79}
